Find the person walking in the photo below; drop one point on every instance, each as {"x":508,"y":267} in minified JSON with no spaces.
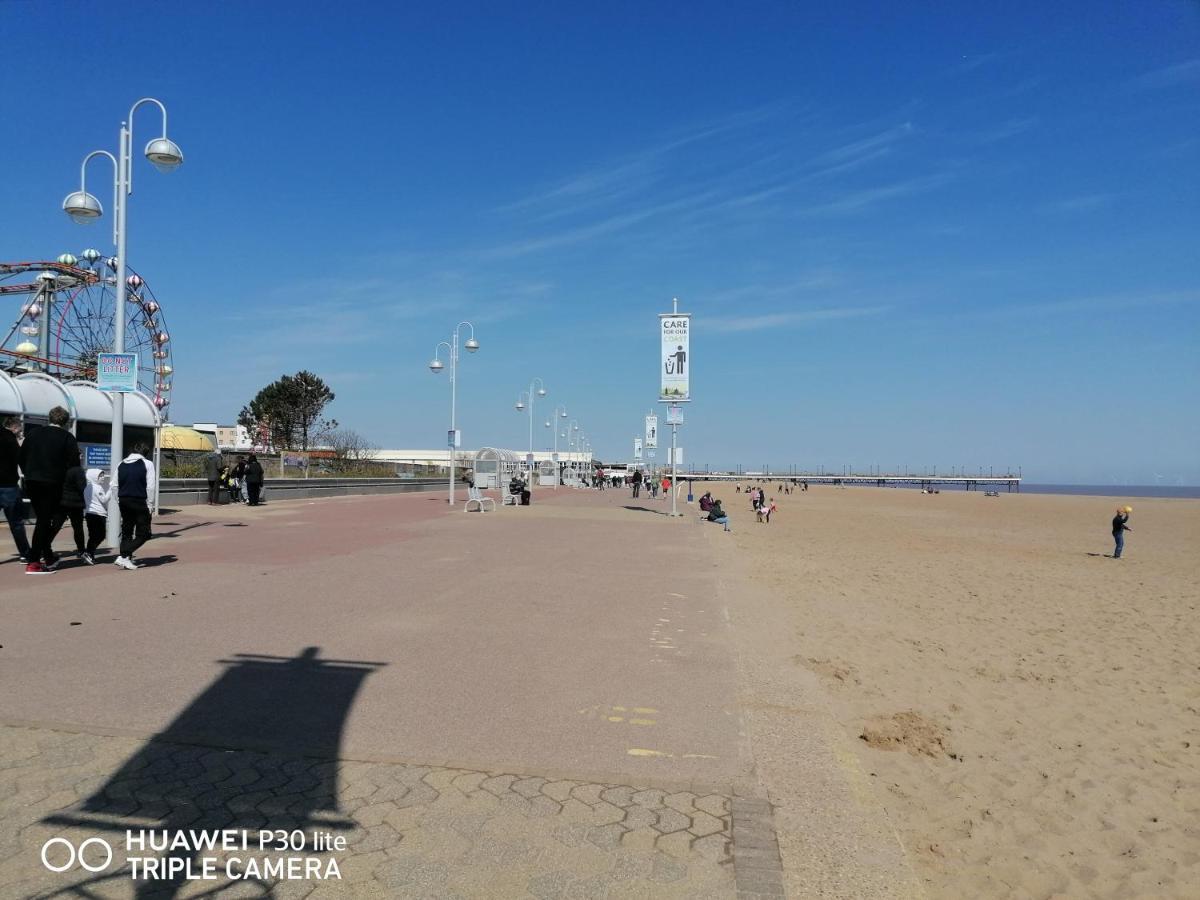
{"x":212,"y":472}
{"x":254,"y":479}
{"x":70,"y":507}
{"x":11,"y":499}
{"x":637,"y":483}
{"x":135,"y":487}
{"x":95,"y":511}
{"x":45,"y":456}
{"x":1120,"y":525}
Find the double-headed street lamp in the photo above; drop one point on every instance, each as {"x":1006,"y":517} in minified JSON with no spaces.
{"x":520,"y":406}
{"x":435,"y":367}
{"x":560,"y":412}
{"x":84,"y":209}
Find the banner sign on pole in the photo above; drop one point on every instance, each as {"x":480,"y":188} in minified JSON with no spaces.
{"x":117,"y":372}
{"x":637,"y":448}
{"x":651,"y":432}
{"x":674,"y":415}
{"x":675,"y":365}
{"x":454,"y":438}
{"x":678,"y":456}
{"x":650,"y":454}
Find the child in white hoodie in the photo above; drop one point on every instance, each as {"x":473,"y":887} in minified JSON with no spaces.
{"x":95,"y":508}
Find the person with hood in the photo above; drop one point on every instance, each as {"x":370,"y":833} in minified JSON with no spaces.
{"x":71,"y":506}
{"x":637,"y":482}
{"x":135,"y":487}
{"x":96,"y":495}
{"x":44,"y":459}
{"x":254,"y":479}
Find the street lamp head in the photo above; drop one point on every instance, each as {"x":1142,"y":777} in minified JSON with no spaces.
{"x":563,"y":414}
{"x":436,"y":366}
{"x":165,"y":154}
{"x":472,"y":345}
{"x":547,"y":424}
{"x":520,"y":405}
{"x":541,"y":392}
{"x":82,"y":207}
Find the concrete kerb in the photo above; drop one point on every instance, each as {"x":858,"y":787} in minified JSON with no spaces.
{"x":806,"y":822}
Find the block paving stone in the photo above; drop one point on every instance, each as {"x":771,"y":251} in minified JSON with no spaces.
{"x":411,"y":831}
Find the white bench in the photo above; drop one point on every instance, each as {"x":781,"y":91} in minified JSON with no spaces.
{"x":474,"y":495}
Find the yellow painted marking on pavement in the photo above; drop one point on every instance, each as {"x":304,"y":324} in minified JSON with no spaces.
{"x":680,"y":596}
{"x":644,"y":709}
{"x":619,"y":708}
{"x":699,"y":756}
{"x":638,"y":751}
{"x":616,"y":718}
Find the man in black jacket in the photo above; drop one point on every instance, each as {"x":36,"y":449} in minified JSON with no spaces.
{"x":11,"y":499}
{"x":45,"y":457}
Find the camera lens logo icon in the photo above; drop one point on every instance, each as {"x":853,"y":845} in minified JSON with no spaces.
{"x":81,"y":854}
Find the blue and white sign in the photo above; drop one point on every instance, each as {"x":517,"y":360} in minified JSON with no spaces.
{"x":117,"y":372}
{"x":97,"y":456}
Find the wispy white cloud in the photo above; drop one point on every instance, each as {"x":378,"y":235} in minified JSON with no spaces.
{"x":860,"y":200}
{"x":1002,"y":131}
{"x":1170,"y":76}
{"x":792,"y":319}
{"x":1084,"y":203}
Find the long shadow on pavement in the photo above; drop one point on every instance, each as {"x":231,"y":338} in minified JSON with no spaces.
{"x":257,"y":749}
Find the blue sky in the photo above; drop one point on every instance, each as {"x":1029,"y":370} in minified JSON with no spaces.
{"x":910,"y":234}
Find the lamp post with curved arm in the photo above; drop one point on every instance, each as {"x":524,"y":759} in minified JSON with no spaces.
{"x":520,"y":406}
{"x":84,"y":208}
{"x":436,"y":366}
{"x":560,"y":412}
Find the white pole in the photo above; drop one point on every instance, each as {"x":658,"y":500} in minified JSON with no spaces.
{"x":117,"y":439}
{"x":453,"y":405}
{"x":674,"y":432}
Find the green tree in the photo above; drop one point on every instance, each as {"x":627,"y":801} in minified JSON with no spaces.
{"x":287,"y":414}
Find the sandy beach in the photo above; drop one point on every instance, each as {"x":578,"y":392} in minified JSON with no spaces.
{"x":1028,"y":709}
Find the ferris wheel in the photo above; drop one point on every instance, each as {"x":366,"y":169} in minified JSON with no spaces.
{"x":66,"y":314}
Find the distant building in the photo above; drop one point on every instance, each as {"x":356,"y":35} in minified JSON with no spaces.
{"x":227,"y":437}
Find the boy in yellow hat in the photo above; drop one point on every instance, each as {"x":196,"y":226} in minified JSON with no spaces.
{"x":1120,"y":526}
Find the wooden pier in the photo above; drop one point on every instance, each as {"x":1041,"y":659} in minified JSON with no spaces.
{"x":1010,"y":483}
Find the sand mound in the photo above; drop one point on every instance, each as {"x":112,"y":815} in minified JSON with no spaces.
{"x":909,"y":731}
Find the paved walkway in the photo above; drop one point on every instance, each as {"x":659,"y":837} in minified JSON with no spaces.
{"x":533,"y":702}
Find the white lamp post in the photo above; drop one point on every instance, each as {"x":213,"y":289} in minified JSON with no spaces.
{"x":83,"y":208}
{"x":560,"y":412}
{"x":520,"y":405}
{"x":436,"y":366}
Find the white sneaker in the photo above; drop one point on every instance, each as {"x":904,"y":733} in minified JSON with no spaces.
{"x":126,"y":563}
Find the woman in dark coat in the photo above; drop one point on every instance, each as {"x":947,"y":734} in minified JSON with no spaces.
{"x":254,"y":479}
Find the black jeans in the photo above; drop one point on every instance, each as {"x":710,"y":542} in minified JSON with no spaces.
{"x":96,"y":525}
{"x":214,"y":490}
{"x":135,"y":525}
{"x":255,"y":488}
{"x":13,"y":505}
{"x":44,"y":497}
{"x":76,"y":517}
{"x":637,"y":487}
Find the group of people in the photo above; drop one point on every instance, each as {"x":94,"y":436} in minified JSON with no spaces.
{"x":711,"y":505}
{"x":785,"y":487}
{"x":243,"y":481}
{"x":639,"y":479}
{"x":46,"y":467}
